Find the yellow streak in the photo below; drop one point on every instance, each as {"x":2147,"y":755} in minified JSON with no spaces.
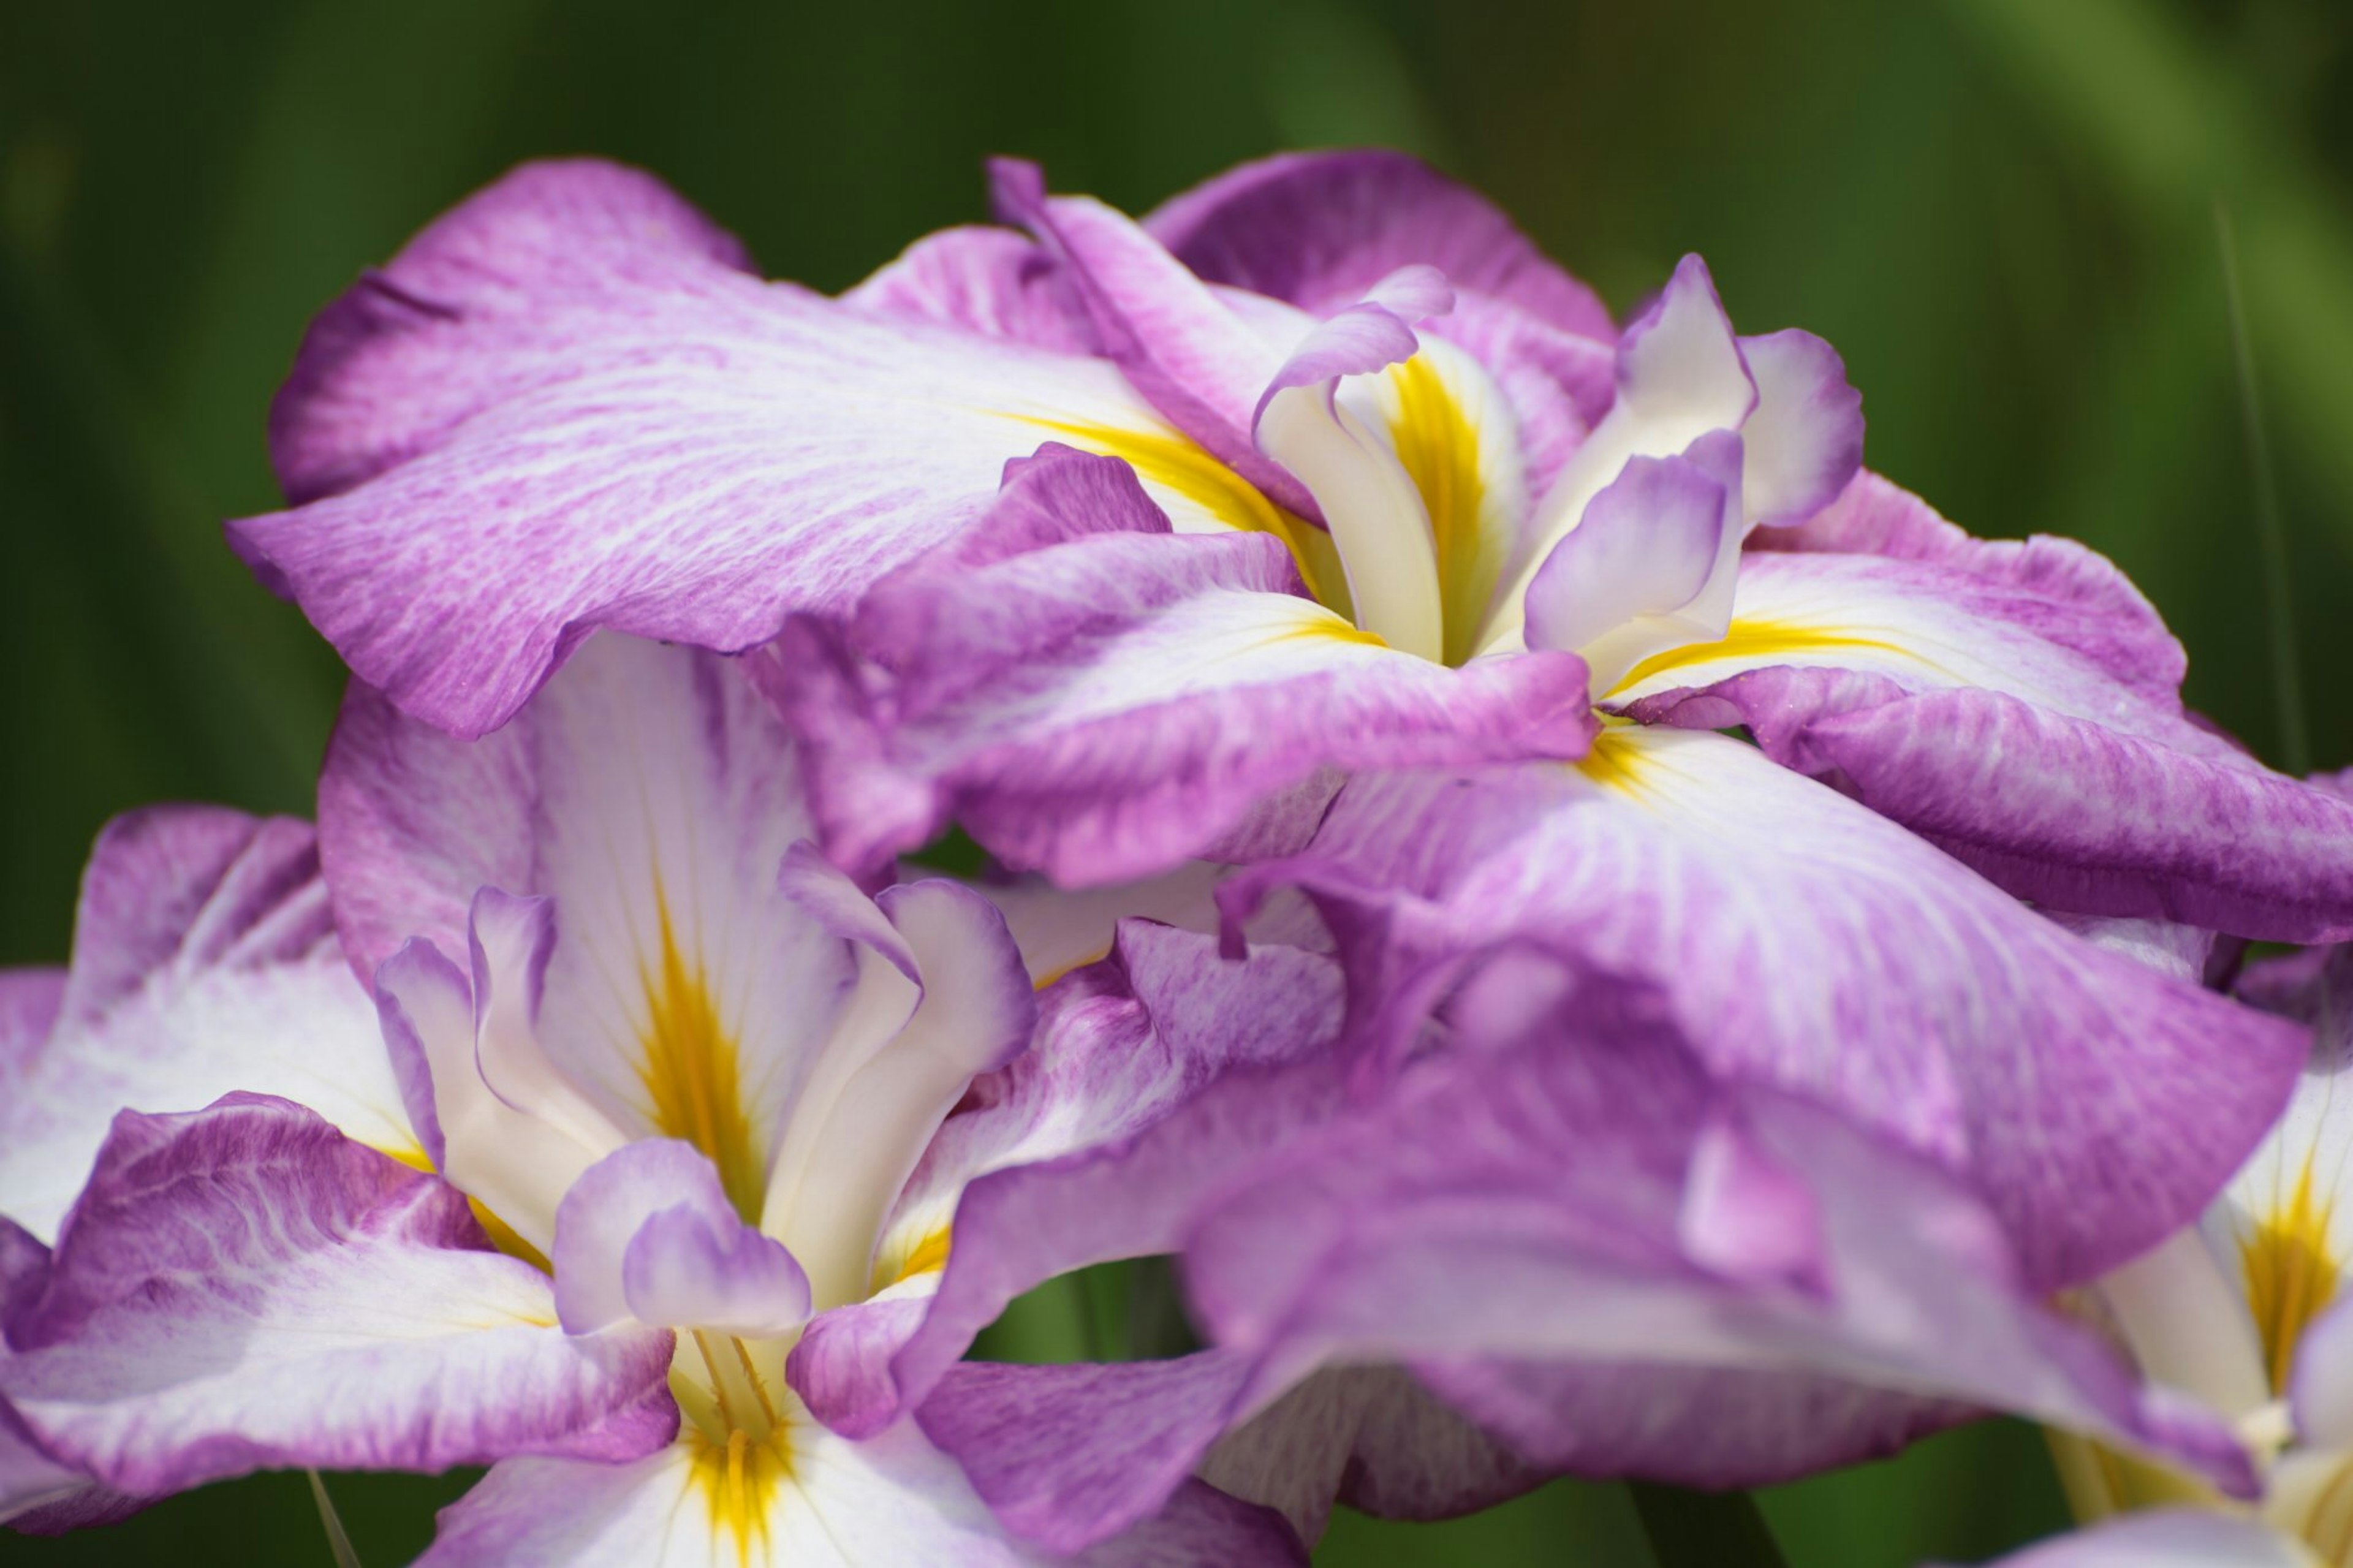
{"x":503,"y":1235}
{"x":740,"y":1479}
{"x":1178,"y":463}
{"x":1439,"y":449}
{"x":1760,"y":640}
{"x":928,"y":1256}
{"x":1612,"y":762}
{"x":2290,"y":1274}
{"x":690,"y":1073}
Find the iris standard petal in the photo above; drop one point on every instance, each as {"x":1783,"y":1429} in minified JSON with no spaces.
{"x":1103,"y":708}
{"x":648,"y":1232}
{"x":245,"y":1287}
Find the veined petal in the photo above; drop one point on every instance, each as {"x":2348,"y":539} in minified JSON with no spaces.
{"x":2169,"y":1538}
{"x":993,"y":281}
{"x":1190,"y":356}
{"x":652,"y":793}
{"x":204,"y":962}
{"x":39,"y":1496}
{"x":1456,"y":1188}
{"x":646,"y":1232}
{"x":1105,"y":708}
{"x":678,"y":450}
{"x":1119,"y":1045}
{"x":2096,"y":1104}
{"x":29,"y":999}
{"x":1317,"y":230}
{"x":2113,"y":623}
{"x":245,"y":1287}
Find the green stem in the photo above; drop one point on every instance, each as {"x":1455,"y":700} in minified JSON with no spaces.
{"x":339,"y":1543}
{"x":1704,"y":1530}
{"x":2271,"y":535}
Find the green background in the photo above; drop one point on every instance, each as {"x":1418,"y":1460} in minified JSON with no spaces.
{"x":2003,"y":212}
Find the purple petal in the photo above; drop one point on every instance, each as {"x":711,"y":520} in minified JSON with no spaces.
{"x":2165,"y":1539}
{"x":2098,"y":1105}
{"x":1619,"y":586}
{"x":204,"y":962}
{"x":1105,"y":708}
{"x":1446,"y":1223}
{"x":1119,"y":1045}
{"x":1805,"y":440}
{"x":245,"y":1287}
{"x":647,"y":1234}
{"x":29,"y":999}
{"x":571,"y":409}
{"x":1191,"y":357}
{"x":652,"y":792}
{"x":992,"y":282}
{"x":1318,"y":228}
{"x":1063,"y":1454}
{"x":2111,"y":622}
{"x":369,"y":389}
{"x":38,"y":1495}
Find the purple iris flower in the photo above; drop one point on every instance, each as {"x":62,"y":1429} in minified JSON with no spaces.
{"x":714,"y":1104}
{"x":2247,"y":1311}
{"x":1392,"y":491}
{"x":1548,"y":1239}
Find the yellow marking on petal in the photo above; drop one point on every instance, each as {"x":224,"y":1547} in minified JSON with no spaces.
{"x":691,"y":1074}
{"x":928,"y":1256}
{"x":1183,"y":466}
{"x":1612,"y":762}
{"x":1439,"y":447}
{"x":2290,"y":1274}
{"x":1042,"y":981}
{"x":740,"y":1479}
{"x":503,"y":1235}
{"x":1758,"y":640}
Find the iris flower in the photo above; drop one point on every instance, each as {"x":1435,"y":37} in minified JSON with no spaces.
{"x":697,"y":1076}
{"x":1548,"y":1237}
{"x":1396,"y":448}
{"x":2247,"y":1311}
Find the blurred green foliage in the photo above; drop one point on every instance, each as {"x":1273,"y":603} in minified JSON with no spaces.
{"x":2001,"y":210}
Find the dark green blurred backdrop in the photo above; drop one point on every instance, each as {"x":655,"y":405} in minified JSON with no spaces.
{"x":2003,"y":211}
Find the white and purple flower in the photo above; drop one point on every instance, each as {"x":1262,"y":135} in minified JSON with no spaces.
{"x":697,"y":1076}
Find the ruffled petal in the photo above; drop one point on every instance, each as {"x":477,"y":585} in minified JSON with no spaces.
{"x":245,"y":1287}
{"x":675,"y":448}
{"x":992,"y":282}
{"x":1120,"y":1046}
{"x":2096,"y":1104}
{"x":1194,"y":358}
{"x":1105,"y":707}
{"x":204,"y":962}
{"x":1317,"y":228}
{"x":651,"y":793}
{"x":647,"y":1234}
